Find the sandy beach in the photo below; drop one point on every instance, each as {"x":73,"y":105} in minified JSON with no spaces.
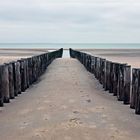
{"x":130,"y":56}
{"x":8,"y":55}
{"x":67,"y":103}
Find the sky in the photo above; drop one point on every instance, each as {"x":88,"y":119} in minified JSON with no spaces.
{"x":69,"y":21}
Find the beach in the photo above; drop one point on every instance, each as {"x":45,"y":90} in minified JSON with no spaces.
{"x":8,"y":55}
{"x":129,"y":56}
{"x":68,"y":103}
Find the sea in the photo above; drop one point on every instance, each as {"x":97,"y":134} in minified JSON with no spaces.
{"x":71,"y":45}
{"x":54,"y":46}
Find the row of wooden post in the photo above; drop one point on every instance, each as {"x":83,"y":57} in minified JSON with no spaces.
{"x":115,"y":77}
{"x":17,"y":76}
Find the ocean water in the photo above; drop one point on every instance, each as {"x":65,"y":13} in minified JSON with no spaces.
{"x":55,"y":46}
{"x":67,"y":46}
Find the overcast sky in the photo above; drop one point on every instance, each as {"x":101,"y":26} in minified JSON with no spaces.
{"x":70,"y":21}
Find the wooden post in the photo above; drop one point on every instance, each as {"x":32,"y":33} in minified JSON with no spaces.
{"x":120,"y":93}
{"x":98,"y":68}
{"x":5,"y":83}
{"x":111,"y":76}
{"x":14,"y":77}
{"x":137,"y":101}
{"x":1,"y":92}
{"x":17,"y":78}
{"x":22,"y":75}
{"x":34,"y":69}
{"x":127,"y":82}
{"x":115,"y":78}
{"x":11,"y":81}
{"x":92,"y":64}
{"x":135,"y":79}
{"x":107,"y":75}
{"x":30,"y":71}
{"x":27,"y":72}
{"x":102,"y":71}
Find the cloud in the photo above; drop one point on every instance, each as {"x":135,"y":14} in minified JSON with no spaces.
{"x":70,"y":21}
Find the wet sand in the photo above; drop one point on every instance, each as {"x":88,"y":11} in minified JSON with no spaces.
{"x":130,"y":56}
{"x":68,"y":103}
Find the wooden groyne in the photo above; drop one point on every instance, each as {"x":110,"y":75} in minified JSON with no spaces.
{"x":17,"y":76}
{"x":115,"y":77}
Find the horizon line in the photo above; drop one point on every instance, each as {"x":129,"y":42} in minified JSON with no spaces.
{"x":62,"y":43}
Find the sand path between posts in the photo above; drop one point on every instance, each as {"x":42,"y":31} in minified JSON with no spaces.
{"x":67,"y":103}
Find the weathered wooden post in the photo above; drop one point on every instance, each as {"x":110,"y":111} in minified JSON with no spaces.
{"x":83,"y":59}
{"x":23,"y":74}
{"x":111,"y":78}
{"x":11,"y":81}
{"x":30,"y":71}
{"x":5,"y":83}
{"x":98,"y":68}
{"x":27,"y":73}
{"x":107,"y":75}
{"x":39,"y":71}
{"x":127,"y":83}
{"x":33,"y":69}
{"x":25,"y":67}
{"x":45,"y":62}
{"x":1,"y":92}
{"x":115,"y":78}
{"x":14,"y":77}
{"x":102,"y":71}
{"x":92,"y":64}
{"x":120,"y":93}
{"x":137,"y":100}
{"x":88,"y":63}
{"x":36,"y":68}
{"x":17,"y":78}
{"x":135,"y":79}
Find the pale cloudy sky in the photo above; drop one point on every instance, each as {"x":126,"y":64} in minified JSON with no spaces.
{"x":70,"y":21}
